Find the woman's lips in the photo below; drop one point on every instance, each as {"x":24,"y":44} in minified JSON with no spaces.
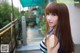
{"x":50,"y":22}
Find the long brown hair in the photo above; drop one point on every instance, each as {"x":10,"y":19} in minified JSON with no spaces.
{"x":63,"y":31}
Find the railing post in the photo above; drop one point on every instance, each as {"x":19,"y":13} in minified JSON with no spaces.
{"x":24,"y":34}
{"x":8,"y":35}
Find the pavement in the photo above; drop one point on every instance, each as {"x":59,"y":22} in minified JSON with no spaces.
{"x":33,"y":40}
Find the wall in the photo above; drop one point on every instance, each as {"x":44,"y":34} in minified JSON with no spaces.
{"x":74,"y":21}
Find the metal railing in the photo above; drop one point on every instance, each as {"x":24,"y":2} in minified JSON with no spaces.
{"x":8,"y":34}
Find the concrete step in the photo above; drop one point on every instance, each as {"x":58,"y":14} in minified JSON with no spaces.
{"x":36,"y":49}
{"x":32,"y":51}
{"x":29,"y":47}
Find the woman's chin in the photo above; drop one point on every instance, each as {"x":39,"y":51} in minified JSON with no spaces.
{"x":50,"y":25}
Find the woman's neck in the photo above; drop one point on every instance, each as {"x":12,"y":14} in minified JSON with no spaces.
{"x":54,"y":29}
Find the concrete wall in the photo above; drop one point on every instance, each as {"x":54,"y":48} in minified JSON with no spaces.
{"x":74,"y":21}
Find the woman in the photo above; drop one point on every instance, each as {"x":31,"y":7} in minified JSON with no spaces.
{"x":58,"y":39}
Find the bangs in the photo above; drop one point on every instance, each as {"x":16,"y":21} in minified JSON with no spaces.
{"x":52,"y":8}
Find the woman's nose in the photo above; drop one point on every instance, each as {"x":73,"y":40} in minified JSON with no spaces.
{"x":49,"y":18}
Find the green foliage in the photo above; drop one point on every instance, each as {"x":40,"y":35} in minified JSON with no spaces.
{"x":16,"y":13}
{"x":42,"y":25}
{"x":5,"y":14}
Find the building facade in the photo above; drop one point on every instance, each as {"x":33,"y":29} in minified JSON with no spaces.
{"x":2,"y":1}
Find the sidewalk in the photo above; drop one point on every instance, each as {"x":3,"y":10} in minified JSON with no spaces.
{"x":33,"y":40}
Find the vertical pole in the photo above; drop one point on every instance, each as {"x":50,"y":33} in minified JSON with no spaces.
{"x":24,"y":34}
{"x":12,"y":27}
{"x":11,"y":21}
{"x":12,"y":10}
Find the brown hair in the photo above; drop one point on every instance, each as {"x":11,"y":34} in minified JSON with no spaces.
{"x":63,"y":31}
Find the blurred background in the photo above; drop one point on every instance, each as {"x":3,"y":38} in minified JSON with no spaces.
{"x":22,"y":24}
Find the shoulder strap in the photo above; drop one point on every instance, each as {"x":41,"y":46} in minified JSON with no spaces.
{"x":50,"y":31}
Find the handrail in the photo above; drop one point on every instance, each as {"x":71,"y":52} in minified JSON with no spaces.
{"x":5,"y":30}
{"x":8,"y":25}
{"x":9,"y":33}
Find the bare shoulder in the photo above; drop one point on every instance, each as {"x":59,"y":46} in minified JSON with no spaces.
{"x":53,"y":37}
{"x":52,"y":40}
{"x":52,"y":44}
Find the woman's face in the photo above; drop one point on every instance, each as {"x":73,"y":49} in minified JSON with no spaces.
{"x":52,"y":20}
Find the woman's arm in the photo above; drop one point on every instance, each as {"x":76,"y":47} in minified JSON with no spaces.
{"x":52,"y":44}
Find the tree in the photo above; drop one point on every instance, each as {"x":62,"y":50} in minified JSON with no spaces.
{"x":5,"y":14}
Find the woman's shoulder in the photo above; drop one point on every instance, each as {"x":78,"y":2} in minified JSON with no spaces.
{"x":52,"y":37}
{"x":52,"y":40}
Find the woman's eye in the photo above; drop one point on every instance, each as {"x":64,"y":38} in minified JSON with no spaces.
{"x":52,"y":15}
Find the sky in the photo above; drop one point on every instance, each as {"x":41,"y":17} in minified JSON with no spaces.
{"x":17,"y":4}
